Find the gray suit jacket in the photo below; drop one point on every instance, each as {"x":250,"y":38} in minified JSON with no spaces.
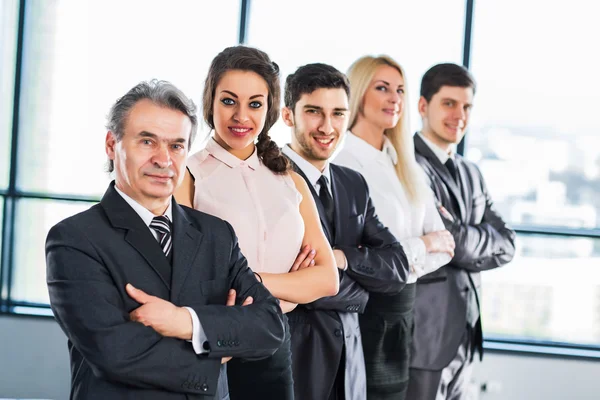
{"x":325,"y":330}
{"x":448,"y":299}
{"x":93,"y":255}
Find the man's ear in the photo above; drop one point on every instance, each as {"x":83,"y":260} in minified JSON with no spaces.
{"x":288,"y":116}
{"x":422,"y":106}
{"x":109,"y":145}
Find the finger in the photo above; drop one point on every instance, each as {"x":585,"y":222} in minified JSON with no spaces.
{"x":138,"y":295}
{"x":230,"y":298}
{"x":301,"y":256}
{"x":309,"y":260}
{"x":249,"y":300}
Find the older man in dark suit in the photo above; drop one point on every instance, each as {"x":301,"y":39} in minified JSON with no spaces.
{"x":447,"y":308}
{"x":144,"y":288}
{"x":327,"y":352}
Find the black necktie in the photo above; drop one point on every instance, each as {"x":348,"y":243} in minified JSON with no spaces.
{"x":451,"y":165}
{"x":162,"y":225}
{"x":327,"y":202}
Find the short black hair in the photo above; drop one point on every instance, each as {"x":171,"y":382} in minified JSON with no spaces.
{"x":311,"y":77}
{"x":447,"y":74}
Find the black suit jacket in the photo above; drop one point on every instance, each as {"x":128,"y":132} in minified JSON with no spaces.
{"x":323,"y":330}
{"x":449,"y":298}
{"x":93,"y":255}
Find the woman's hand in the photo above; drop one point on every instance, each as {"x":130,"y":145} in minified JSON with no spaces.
{"x":439,"y":242}
{"x":305,"y":259}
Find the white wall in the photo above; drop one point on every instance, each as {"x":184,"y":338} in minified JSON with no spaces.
{"x":34,"y":364}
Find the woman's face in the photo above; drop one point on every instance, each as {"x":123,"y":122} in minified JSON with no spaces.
{"x":240,"y":111}
{"x":383,"y":102}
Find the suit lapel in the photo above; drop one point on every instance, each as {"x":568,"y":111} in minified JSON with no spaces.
{"x":423,"y":149}
{"x":186,"y":242}
{"x":138,"y":235}
{"x":467,"y":194}
{"x":317,"y":199}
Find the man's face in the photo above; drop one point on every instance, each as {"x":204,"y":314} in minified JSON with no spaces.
{"x":150,"y":157}
{"x":446,"y":115}
{"x":318,"y":121}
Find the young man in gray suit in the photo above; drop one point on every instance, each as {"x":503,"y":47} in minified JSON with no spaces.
{"x":144,"y":288}
{"x":327,"y":352}
{"x":447,"y":308}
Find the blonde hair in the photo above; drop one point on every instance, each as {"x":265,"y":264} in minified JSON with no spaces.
{"x":361,"y":74}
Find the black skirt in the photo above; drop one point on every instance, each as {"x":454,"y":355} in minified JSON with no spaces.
{"x":386,"y":328}
{"x":270,"y":378}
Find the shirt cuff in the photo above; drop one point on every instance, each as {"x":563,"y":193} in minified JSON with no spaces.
{"x":199,"y":339}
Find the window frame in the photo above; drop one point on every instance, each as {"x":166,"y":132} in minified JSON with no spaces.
{"x":12,"y":195}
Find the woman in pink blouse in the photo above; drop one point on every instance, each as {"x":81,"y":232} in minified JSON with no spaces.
{"x":242,"y":177}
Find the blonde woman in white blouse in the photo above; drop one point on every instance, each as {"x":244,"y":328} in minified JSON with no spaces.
{"x":379,"y":145}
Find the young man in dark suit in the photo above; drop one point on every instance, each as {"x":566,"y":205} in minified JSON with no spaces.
{"x":447,"y":309}
{"x":144,"y":288}
{"x":327,"y":354}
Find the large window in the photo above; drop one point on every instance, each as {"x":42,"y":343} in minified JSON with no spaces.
{"x":536,"y":139}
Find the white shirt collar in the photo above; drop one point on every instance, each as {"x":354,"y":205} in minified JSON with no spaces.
{"x":439,"y":153}
{"x":146,"y":215}
{"x":312,"y":173}
{"x":363,"y":149}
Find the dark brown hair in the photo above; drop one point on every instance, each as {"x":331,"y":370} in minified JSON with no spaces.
{"x":311,"y":77}
{"x":445,"y":75}
{"x":250,"y":59}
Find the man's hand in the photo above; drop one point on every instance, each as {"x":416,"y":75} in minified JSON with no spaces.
{"x":340,"y":259}
{"x":162,"y":316}
{"x":231,"y":302}
{"x":305,"y":259}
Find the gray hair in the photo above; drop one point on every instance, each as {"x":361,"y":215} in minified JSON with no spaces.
{"x":161,"y":93}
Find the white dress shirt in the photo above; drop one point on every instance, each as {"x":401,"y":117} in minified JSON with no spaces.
{"x":198,"y":334}
{"x":407,"y":221}
{"x":441,"y":154}
{"x":312,"y":173}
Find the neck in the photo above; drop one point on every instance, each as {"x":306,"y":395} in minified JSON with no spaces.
{"x":156,"y":206}
{"x":369,"y":132}
{"x":436,"y":140}
{"x":318,"y":164}
{"x":242,"y":154}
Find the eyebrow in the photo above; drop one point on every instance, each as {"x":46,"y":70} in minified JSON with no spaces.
{"x":321,"y":108}
{"x":454,"y":100}
{"x":154,"y":136}
{"x":387,"y":83}
{"x":236,"y":96}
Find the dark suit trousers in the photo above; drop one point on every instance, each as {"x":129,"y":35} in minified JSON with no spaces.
{"x":386,"y":329}
{"x":451,"y":383}
{"x":270,"y":378}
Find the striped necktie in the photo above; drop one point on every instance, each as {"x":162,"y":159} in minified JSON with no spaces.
{"x":162,"y":225}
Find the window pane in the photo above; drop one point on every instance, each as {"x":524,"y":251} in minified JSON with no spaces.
{"x":338,"y":32}
{"x":534,"y":130}
{"x":9,"y":14}
{"x":549,"y":292}
{"x":33,"y":221}
{"x":80,"y":56}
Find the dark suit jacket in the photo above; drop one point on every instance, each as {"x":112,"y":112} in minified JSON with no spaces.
{"x":93,"y":255}
{"x":323,"y":329}
{"x":448,"y":298}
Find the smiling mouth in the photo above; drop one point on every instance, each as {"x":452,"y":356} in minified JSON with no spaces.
{"x":390,"y":111}
{"x":324,"y":141}
{"x":238,"y":131}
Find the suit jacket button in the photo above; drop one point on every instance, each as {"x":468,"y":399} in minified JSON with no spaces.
{"x":338,"y":332}
{"x":236,"y":343}
{"x":197,"y":386}
{"x":204,"y":387}
{"x":185,"y":384}
{"x":219,"y":343}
